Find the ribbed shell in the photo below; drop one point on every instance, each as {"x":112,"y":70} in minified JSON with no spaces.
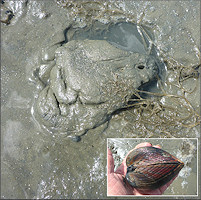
{"x":150,"y":168}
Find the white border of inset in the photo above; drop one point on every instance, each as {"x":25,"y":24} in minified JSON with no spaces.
{"x":156,"y":196}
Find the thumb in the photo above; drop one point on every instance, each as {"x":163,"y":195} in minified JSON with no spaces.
{"x":110,"y":162}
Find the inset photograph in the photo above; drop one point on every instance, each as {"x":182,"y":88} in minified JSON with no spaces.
{"x":141,"y":167}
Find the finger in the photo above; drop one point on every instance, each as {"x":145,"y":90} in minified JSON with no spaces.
{"x":122,"y":169}
{"x":137,"y":193}
{"x":110,"y":162}
{"x":144,"y":144}
{"x":157,"y":146}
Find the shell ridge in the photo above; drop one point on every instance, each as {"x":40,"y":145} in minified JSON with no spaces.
{"x":153,"y":167}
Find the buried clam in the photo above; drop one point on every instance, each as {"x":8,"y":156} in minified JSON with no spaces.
{"x":151,"y":168}
{"x":85,"y":82}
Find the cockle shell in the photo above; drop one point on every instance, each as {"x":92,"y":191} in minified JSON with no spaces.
{"x":151,"y":168}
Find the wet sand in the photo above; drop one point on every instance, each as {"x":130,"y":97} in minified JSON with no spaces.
{"x":36,"y":164}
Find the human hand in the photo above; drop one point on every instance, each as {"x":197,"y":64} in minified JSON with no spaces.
{"x":115,"y":180}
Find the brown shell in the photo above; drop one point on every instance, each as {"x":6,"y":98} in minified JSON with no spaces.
{"x":150,"y":167}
